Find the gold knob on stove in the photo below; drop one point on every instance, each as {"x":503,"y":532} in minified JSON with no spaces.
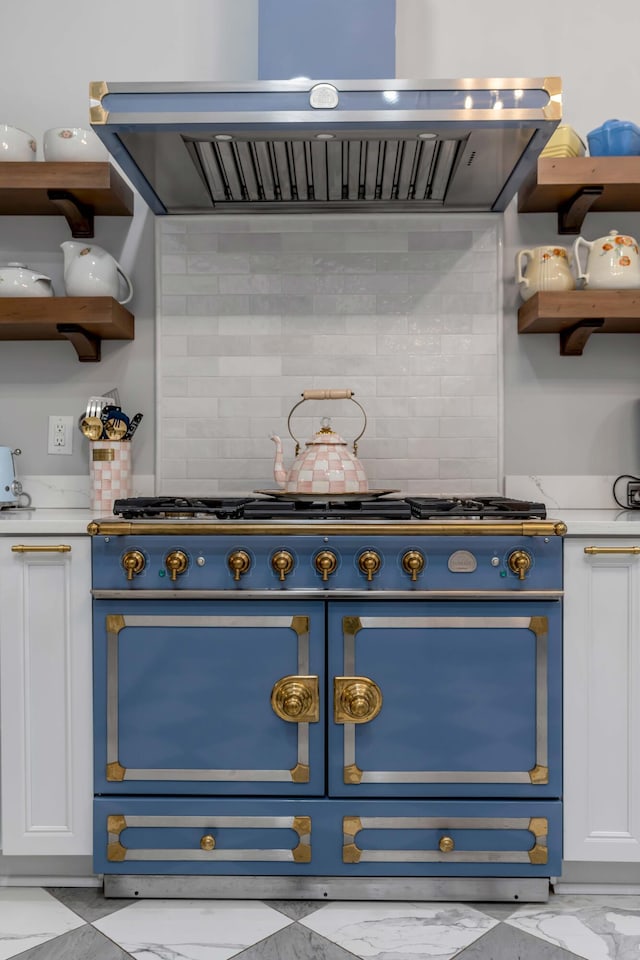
{"x":239,"y":563}
{"x":282,"y":563}
{"x":134,"y":563}
{"x":176,"y":562}
{"x":326,"y":562}
{"x":520,"y":562}
{"x":296,"y":699}
{"x":369,"y":562}
{"x":355,"y":699}
{"x":413,"y":563}
{"x":207,"y":842}
{"x":446,"y":844}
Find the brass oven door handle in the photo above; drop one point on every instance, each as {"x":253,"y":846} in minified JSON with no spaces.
{"x":593,"y":550}
{"x":296,"y":699}
{"x":355,"y":699}
{"x":41,"y":548}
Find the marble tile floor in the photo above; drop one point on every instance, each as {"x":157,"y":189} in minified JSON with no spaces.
{"x":80,"y":924}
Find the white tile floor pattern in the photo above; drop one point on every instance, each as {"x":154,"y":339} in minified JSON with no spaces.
{"x":80,"y":924}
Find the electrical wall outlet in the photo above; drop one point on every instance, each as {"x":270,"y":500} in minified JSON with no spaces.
{"x":60,"y":435}
{"x":633,"y":494}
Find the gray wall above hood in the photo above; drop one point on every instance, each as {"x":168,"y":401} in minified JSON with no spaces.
{"x":314,"y":145}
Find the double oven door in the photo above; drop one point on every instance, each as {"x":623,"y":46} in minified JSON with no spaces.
{"x":361,"y":737}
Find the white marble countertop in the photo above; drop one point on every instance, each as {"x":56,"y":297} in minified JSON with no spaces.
{"x":44,"y":522}
{"x":56,"y":522}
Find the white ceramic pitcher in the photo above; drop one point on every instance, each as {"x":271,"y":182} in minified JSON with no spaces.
{"x":89,"y":271}
{"x":613,"y":262}
{"x":543,"y":268}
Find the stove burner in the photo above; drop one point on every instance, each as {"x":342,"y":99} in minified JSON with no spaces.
{"x":482,"y":508}
{"x":379,"y":509}
{"x":136,"y":508}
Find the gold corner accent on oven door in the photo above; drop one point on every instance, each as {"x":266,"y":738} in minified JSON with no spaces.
{"x":300,"y":625}
{"x":302,"y":826}
{"x":116,"y":823}
{"x":300,"y":773}
{"x":115,"y":772}
{"x":114,"y":623}
{"x":351,"y":826}
{"x":296,"y":699}
{"x":356,"y":699}
{"x":116,"y":852}
{"x":352,"y":773}
{"x":539,"y":626}
{"x":351,"y":625}
{"x":539,"y":827}
{"x":98,"y":89}
{"x":539,"y":774}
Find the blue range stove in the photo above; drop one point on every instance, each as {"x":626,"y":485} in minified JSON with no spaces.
{"x":340,"y":700}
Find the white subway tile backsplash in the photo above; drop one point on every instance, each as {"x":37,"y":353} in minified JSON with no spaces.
{"x":401,"y":309}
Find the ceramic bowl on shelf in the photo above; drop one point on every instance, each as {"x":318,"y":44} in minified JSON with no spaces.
{"x":16,"y":145}
{"x":72,"y":144}
{"x":19,"y":280}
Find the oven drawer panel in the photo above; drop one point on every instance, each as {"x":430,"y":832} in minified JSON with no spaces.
{"x":186,"y":836}
{"x":209,"y":698}
{"x":443,"y":699}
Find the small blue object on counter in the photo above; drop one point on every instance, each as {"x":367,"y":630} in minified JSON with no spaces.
{"x":615,"y":138}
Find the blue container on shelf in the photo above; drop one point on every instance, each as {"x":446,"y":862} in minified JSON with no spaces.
{"x":615,"y":138}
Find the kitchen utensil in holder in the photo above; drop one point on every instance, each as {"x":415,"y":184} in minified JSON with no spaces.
{"x":109,"y":473}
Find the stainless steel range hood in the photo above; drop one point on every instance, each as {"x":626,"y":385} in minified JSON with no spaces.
{"x":313,"y":146}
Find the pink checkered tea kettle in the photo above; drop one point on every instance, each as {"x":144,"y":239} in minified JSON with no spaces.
{"x":326,"y":465}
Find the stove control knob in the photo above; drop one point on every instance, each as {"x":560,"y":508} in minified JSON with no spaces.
{"x":282,"y":563}
{"x":134,"y":563}
{"x":176,"y":562}
{"x":326,"y":562}
{"x":239,"y":563}
{"x":520,"y":562}
{"x":413,"y":563}
{"x":369,"y":562}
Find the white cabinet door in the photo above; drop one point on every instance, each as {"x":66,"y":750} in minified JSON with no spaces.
{"x":602,"y":701}
{"x":45,"y":687}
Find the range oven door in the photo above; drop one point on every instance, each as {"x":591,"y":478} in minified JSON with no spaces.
{"x":215,"y":698}
{"x":441,"y":699}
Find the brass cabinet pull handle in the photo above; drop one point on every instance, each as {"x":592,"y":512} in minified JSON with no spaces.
{"x":207,"y":842}
{"x":594,"y":550}
{"x":296,"y":699}
{"x":41,"y":548}
{"x":355,"y":699}
{"x":446,"y":844}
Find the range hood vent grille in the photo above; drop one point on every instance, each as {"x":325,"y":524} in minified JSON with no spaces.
{"x":326,"y":170}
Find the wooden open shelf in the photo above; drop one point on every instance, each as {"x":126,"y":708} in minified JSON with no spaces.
{"x":573,"y":186}
{"x":77,"y":191}
{"x":576,"y":314}
{"x":84,"y":321}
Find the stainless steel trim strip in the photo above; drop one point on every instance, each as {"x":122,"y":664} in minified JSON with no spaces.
{"x":480,"y":889}
{"x":437,"y":823}
{"x":435,"y":623}
{"x":216,"y":621}
{"x":542,"y":696}
{"x":315,"y":593}
{"x":443,"y":776}
{"x":112,"y":697}
{"x":550,"y":85}
{"x":252,"y":776}
{"x":434,"y":856}
{"x":209,"y":856}
{"x":214,"y":821}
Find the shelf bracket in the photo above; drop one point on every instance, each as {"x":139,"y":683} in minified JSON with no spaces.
{"x":86,"y":344}
{"x":573,"y":339}
{"x":572,"y":212}
{"x":78,"y":215}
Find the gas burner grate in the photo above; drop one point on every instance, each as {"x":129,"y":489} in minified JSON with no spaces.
{"x":171,"y":508}
{"x":379,"y":509}
{"x":482,"y":508}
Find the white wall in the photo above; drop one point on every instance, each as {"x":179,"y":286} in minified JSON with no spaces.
{"x":51,"y":53}
{"x":563,"y":415}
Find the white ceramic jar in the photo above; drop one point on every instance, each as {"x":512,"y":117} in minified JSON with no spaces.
{"x":18,"y":280}
{"x":72,"y":144}
{"x":16,"y":145}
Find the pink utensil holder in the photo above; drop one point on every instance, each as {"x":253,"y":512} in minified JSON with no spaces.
{"x":109,"y":473}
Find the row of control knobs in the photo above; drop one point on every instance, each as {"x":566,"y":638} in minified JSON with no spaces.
{"x":326,"y":562}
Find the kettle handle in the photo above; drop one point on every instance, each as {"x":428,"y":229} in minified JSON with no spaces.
{"x":326,"y":395}
{"x":520,"y":277}
{"x":576,"y":257}
{"x":128,"y":283}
